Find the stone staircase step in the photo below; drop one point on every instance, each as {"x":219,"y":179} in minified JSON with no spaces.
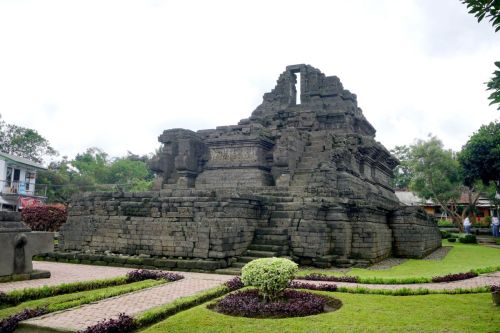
{"x":246,"y":259}
{"x":271,"y":231}
{"x":238,"y":264}
{"x":229,"y":271}
{"x":261,"y":254}
{"x":288,"y":206}
{"x":280,"y":242}
{"x":268,"y":247}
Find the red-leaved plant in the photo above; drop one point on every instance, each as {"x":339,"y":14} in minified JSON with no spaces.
{"x":45,"y":217}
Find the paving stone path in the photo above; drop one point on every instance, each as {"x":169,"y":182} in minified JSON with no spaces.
{"x":139,"y":301}
{"x":480,"y":281}
{"x":65,"y":273}
{"x":131,"y":304}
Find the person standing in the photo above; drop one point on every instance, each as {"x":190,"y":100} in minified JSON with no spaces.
{"x":495,"y":225}
{"x":467,"y":225}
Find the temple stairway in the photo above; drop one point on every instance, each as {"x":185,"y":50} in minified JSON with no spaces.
{"x":271,"y":238}
{"x":314,"y":153}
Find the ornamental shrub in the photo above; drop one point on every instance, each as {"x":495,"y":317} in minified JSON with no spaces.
{"x":452,"y":240}
{"x":468,"y":239}
{"x":45,"y":217}
{"x":122,"y":324}
{"x":270,"y":275}
{"x":9,"y":324}
{"x":144,"y":274}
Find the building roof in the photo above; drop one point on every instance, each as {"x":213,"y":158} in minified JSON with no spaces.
{"x":408,"y":198}
{"x":21,"y":160}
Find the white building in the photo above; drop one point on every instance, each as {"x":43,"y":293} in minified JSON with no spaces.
{"x":17,"y":182}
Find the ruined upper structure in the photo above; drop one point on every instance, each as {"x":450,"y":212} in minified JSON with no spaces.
{"x":307,"y":178}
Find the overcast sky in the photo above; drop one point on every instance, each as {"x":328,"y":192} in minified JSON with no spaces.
{"x":115,"y":74}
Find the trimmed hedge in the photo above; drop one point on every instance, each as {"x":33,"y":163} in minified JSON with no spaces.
{"x":45,"y":217}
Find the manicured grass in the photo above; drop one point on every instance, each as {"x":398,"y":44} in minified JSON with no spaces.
{"x":61,"y":302}
{"x":359,"y":313}
{"x":462,"y":258}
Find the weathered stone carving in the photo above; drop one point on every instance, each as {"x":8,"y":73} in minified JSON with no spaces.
{"x":307,"y":180}
{"x":20,"y":244}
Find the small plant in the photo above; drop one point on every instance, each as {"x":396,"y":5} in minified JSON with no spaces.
{"x":122,"y":324}
{"x":144,"y":274}
{"x":454,"y":277}
{"x":445,"y":223}
{"x":468,"y":239}
{"x":445,"y":234}
{"x":234,"y":284}
{"x":495,"y":294}
{"x":311,"y":286}
{"x":495,"y":288}
{"x":270,"y":275}
{"x":45,"y":217}
{"x":452,"y":240}
{"x":323,"y":277}
{"x":9,"y":324}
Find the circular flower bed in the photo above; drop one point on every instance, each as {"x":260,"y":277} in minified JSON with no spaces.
{"x":292,"y":303}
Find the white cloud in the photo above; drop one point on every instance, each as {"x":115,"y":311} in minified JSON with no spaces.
{"x":115,"y":74}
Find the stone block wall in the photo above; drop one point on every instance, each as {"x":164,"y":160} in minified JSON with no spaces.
{"x":175,"y":223}
{"x":415,"y":233}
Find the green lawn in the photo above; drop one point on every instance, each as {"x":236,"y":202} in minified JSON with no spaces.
{"x":462,"y":258}
{"x":56,"y":303}
{"x":359,"y":313}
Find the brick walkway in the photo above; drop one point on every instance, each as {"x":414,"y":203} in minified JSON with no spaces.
{"x":131,"y":304}
{"x":480,"y":281}
{"x":65,"y":273}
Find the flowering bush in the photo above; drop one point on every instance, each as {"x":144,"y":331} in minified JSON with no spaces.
{"x":454,"y":277}
{"x":270,"y":275}
{"x":323,"y":277}
{"x":247,"y":303}
{"x":9,"y":324}
{"x":144,"y":274}
{"x":123,"y":324}
{"x":495,"y":288}
{"x":45,"y":217}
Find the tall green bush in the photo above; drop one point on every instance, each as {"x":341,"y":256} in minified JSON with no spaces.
{"x":270,"y":275}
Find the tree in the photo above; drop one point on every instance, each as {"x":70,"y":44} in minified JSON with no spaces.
{"x":24,"y":142}
{"x":94,"y":170}
{"x":480,"y":156}
{"x":436,"y":176}
{"x":480,"y":161}
{"x":402,"y":173}
{"x":488,"y":9}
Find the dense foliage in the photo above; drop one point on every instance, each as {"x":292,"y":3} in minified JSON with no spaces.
{"x":45,"y":217}
{"x":323,"y":277}
{"x":270,"y":275}
{"x":454,"y":277}
{"x":403,"y":172}
{"x":121,"y":324}
{"x":144,"y":274}
{"x":24,"y":142}
{"x":9,"y":324}
{"x":480,"y":156}
{"x":94,"y":170}
{"x":247,"y":303}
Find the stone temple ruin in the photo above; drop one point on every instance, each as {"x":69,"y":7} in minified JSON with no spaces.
{"x":305,"y":180}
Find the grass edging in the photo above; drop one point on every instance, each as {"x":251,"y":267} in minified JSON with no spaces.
{"x":22,"y":295}
{"x":162,"y":312}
